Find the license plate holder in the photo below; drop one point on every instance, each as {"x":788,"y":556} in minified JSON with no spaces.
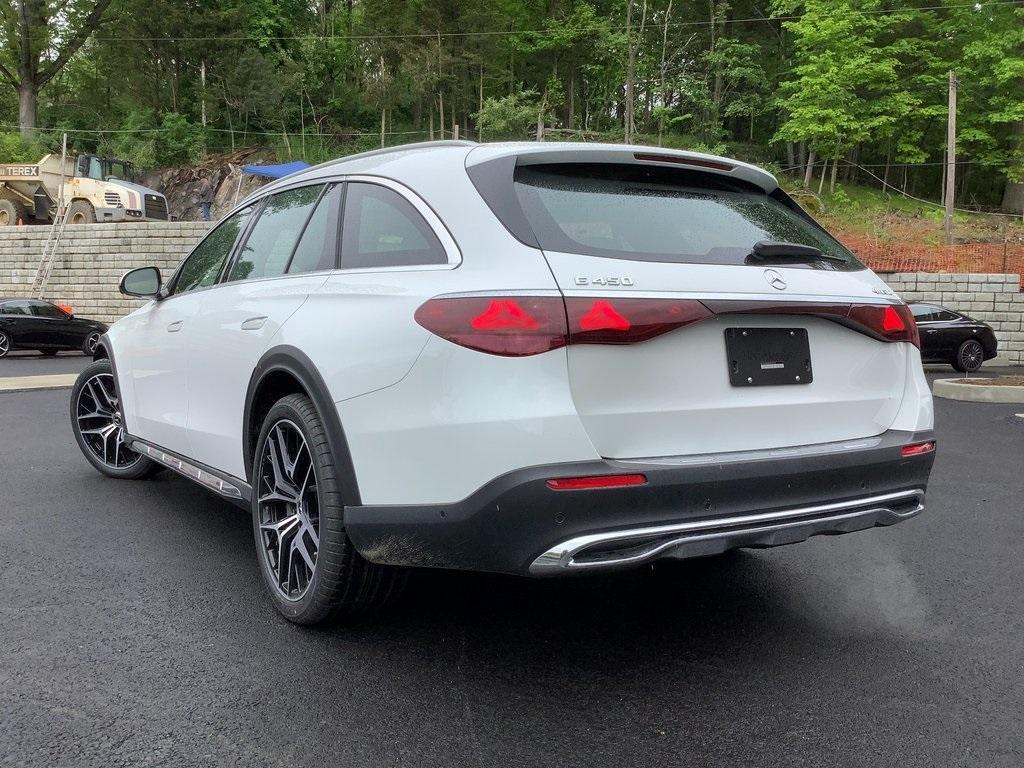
{"x":761,"y":357}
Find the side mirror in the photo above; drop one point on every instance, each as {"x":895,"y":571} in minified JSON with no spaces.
{"x":143,"y":282}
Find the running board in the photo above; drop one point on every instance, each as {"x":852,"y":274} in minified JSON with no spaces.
{"x":230,"y":488}
{"x":631,"y":546}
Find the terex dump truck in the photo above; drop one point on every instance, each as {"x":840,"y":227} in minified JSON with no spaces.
{"x":96,"y":189}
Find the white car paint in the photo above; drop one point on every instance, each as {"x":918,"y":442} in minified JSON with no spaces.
{"x":428,"y":421}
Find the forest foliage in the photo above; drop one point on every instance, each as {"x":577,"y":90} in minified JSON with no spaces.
{"x":822,"y":89}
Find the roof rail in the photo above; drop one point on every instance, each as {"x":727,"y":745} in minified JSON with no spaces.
{"x":397,"y":148}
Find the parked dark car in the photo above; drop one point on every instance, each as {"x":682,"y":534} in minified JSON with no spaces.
{"x":952,"y":337}
{"x":40,"y":325}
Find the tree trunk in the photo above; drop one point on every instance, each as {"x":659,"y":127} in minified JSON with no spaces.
{"x":809,"y":171}
{"x":1013,"y":197}
{"x":824,"y":173}
{"x":1013,"y":192}
{"x":832,"y":181}
{"x":627,"y":118}
{"x":28,"y":103}
{"x":790,"y":155}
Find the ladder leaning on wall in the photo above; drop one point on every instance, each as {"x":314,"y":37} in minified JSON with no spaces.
{"x":60,"y":220}
{"x":52,"y":242}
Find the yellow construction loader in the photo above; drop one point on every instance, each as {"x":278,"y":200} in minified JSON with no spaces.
{"x":96,"y":189}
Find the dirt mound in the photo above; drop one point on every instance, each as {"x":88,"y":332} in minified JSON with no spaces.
{"x":184,"y":186}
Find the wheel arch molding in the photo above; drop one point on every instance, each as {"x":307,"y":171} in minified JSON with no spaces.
{"x":284,"y":370}
{"x":103,"y":350}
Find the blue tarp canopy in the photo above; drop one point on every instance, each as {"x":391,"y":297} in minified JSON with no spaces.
{"x":275,"y":171}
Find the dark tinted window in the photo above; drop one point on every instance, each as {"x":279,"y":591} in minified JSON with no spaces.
{"x":273,"y":237}
{"x":15,"y":308}
{"x":944,"y":315}
{"x":204,"y":265}
{"x":925,"y":313}
{"x":651,"y":213}
{"x":319,"y":243}
{"x":383,"y":229}
{"x":42,"y":309}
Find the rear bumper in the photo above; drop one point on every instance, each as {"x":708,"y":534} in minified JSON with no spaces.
{"x":690,"y":506}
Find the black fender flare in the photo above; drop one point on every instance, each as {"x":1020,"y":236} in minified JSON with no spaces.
{"x":296,"y":363}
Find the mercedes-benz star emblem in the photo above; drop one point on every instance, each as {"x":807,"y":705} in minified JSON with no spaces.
{"x":775,"y":279}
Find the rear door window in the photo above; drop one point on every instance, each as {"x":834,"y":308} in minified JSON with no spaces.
{"x":20,"y":308}
{"x":270,"y":244}
{"x":652,"y":213}
{"x":318,"y":246}
{"x":924,"y":313}
{"x":383,"y":229}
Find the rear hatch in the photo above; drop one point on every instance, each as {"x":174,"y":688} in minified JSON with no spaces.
{"x":684,"y":341}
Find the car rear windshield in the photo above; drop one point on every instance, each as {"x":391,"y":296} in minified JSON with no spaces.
{"x":652,"y":213}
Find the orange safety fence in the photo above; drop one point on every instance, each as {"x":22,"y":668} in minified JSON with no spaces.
{"x":888,"y":256}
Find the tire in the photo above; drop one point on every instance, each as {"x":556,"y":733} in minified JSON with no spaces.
{"x":98,"y":425}
{"x":89,"y":345}
{"x":5,"y":344}
{"x":296,"y":505}
{"x":969,"y":356}
{"x":10,"y":212}
{"x":81,"y":212}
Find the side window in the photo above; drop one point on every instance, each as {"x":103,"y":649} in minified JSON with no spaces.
{"x":204,"y":264}
{"x":270,"y":243}
{"x":383,"y":229}
{"x":316,"y":250}
{"x":945,"y":316}
{"x":924,"y":313}
{"x":42,"y":309}
{"x":15,"y":308}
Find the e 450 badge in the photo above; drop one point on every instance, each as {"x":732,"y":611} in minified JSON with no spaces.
{"x":605,"y":281}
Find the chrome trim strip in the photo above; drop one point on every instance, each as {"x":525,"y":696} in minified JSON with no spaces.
{"x":561,"y":558}
{"x":814,"y":449}
{"x":192,"y":472}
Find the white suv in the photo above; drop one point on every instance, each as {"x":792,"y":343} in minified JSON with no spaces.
{"x":537,"y":359}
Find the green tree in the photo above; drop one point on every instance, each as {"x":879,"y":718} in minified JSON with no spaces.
{"x":40,"y":38}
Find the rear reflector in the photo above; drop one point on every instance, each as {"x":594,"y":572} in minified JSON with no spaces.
{"x":600,"y":481}
{"x":916,"y":449}
{"x":514,"y":326}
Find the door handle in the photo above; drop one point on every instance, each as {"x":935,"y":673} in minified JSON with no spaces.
{"x":932,"y":331}
{"x":254,"y":323}
{"x":175,"y":326}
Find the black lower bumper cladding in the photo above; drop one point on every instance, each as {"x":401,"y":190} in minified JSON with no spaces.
{"x":689,"y":506}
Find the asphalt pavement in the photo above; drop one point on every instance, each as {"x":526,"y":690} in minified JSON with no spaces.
{"x":134,"y":631}
{"x":18,"y":364}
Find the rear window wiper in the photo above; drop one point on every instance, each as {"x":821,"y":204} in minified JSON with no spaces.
{"x":770,"y":250}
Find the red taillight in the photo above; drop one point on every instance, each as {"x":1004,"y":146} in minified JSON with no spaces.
{"x":916,"y":449}
{"x":514,"y":326}
{"x":499,"y":325}
{"x":504,"y":315}
{"x":628,"y":321}
{"x":599,"y":481}
{"x":602,"y":316}
{"x":892,"y":322}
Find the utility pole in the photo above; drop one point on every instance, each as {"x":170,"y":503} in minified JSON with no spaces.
{"x":202,"y":80}
{"x":950,"y":160}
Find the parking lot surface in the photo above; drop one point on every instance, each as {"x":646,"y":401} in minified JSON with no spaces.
{"x":135,"y":632}
{"x":33,"y":364}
